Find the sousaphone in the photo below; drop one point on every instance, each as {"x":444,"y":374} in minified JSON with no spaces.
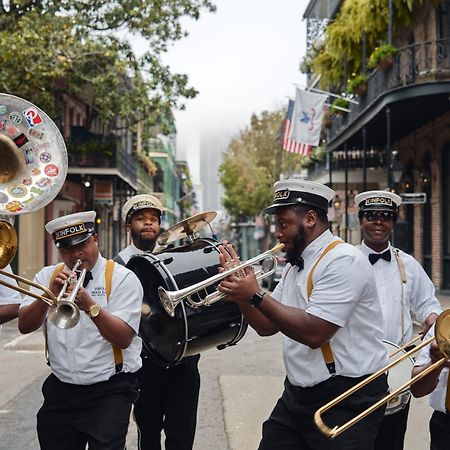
{"x":33,"y":167}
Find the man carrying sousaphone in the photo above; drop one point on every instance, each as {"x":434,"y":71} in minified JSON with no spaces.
{"x":327,"y":308}
{"x":89,"y":394}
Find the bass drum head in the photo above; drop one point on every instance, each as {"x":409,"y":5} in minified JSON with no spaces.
{"x":165,"y":339}
{"x":397,"y":377}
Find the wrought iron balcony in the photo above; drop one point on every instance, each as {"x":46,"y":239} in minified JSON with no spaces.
{"x":421,"y":63}
{"x":87,"y":149}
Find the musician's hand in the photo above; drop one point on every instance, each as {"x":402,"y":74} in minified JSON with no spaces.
{"x":427,"y":323}
{"x":84,"y":300}
{"x":59,"y":281}
{"x":436,"y":355}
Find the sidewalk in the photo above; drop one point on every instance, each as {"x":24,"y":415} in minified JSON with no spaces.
{"x":445,"y":301}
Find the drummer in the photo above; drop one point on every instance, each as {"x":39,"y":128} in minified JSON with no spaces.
{"x":403,"y":288}
{"x":169,"y":395}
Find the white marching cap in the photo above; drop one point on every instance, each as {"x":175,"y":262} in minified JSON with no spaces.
{"x":378,"y":200}
{"x":141,"y":201}
{"x":72,"y":229}
{"x":294,"y":191}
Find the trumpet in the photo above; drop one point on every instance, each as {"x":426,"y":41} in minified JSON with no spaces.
{"x":65,"y":313}
{"x":442,"y":338}
{"x":171,"y":299}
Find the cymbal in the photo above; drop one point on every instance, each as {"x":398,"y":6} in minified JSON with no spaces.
{"x":186,"y":227}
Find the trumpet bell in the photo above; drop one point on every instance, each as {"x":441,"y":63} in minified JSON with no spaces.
{"x":65,"y":315}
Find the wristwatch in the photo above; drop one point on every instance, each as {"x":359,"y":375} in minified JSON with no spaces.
{"x":94,"y":310}
{"x":257,"y":298}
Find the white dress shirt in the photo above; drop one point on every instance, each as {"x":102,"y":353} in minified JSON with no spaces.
{"x":418,"y":293}
{"x":344,"y":293}
{"x":81,"y":355}
{"x":437,"y":397}
{"x":130,"y":251}
{"x":8,"y":296}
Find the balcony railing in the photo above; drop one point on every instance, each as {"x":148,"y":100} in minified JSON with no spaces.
{"x":88,"y":149}
{"x":375,"y":159}
{"x":417,"y":63}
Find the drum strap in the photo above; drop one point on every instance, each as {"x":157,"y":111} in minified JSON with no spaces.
{"x":326,"y":348}
{"x":109,"y":269}
{"x":403,"y":280}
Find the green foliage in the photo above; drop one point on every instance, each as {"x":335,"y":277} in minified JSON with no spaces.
{"x":49,"y":48}
{"x":252,"y":162}
{"x":355,"y":82}
{"x":380,"y":53}
{"x":341,"y":103}
{"x":343,"y":37}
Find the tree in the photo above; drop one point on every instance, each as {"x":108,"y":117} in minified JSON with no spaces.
{"x":252,"y":162}
{"x":54,"y":46}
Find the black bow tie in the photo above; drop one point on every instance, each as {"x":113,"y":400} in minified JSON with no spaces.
{"x":374,"y":257}
{"x":299,"y":262}
{"x":88,"y":277}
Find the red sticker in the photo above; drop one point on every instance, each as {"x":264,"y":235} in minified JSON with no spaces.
{"x":51,"y":170}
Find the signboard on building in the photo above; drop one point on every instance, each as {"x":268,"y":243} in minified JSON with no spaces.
{"x":414,"y":198}
{"x":103,"y":192}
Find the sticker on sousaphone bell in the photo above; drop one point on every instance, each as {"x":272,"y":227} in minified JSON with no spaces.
{"x":23,"y":128}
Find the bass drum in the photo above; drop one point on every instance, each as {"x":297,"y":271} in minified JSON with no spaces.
{"x":398,"y":375}
{"x":167,"y":339}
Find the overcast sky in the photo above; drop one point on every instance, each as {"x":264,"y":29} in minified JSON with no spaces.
{"x":242,"y":59}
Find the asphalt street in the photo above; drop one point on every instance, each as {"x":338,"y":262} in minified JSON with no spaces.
{"x":239,"y":387}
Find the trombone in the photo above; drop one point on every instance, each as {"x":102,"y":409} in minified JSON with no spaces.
{"x":442,"y":337}
{"x":63,"y":312}
{"x":171,"y":299}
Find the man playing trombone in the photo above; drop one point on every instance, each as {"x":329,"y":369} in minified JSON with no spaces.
{"x":327,"y":308}
{"x":89,"y":394}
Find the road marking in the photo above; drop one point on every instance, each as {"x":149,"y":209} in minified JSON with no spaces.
{"x":15,"y":341}
{"x":4,"y":411}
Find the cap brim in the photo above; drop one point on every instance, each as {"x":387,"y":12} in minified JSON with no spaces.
{"x":73,"y":240}
{"x":272,"y":209}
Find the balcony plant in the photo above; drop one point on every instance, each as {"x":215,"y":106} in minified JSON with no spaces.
{"x":358,"y":85}
{"x":382,"y":57}
{"x":337,"y":104}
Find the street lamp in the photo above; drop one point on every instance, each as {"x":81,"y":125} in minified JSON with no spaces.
{"x":396,"y":169}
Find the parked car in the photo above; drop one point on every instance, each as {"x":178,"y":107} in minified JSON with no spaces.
{"x":271,"y":281}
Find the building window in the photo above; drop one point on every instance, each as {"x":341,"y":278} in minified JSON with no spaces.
{"x":446,"y":215}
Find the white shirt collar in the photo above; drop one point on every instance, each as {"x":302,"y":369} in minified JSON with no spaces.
{"x":367,"y":250}
{"x":315,"y":246}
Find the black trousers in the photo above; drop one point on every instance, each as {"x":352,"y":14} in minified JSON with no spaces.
{"x":440,"y":431}
{"x":291,"y":425}
{"x":391,"y":435}
{"x":168,"y":400}
{"x":74,"y":415}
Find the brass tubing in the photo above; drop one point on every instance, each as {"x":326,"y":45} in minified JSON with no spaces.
{"x":411,"y":342}
{"x":337,"y":430}
{"x":50,"y":299}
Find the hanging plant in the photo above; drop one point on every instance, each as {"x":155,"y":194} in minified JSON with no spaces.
{"x":382,"y":57}
{"x":358,"y":85}
{"x":337,"y":105}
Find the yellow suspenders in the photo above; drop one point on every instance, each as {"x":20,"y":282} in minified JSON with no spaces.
{"x":109,"y":269}
{"x":326,"y":348}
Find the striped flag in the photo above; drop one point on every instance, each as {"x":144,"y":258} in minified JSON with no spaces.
{"x":289,"y":144}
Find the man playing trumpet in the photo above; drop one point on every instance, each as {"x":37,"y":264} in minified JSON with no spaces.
{"x":88,"y":395}
{"x":327,"y":308}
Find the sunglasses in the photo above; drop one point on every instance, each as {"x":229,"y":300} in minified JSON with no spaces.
{"x":384,"y":216}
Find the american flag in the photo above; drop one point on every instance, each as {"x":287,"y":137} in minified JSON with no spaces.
{"x":289,"y":144}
